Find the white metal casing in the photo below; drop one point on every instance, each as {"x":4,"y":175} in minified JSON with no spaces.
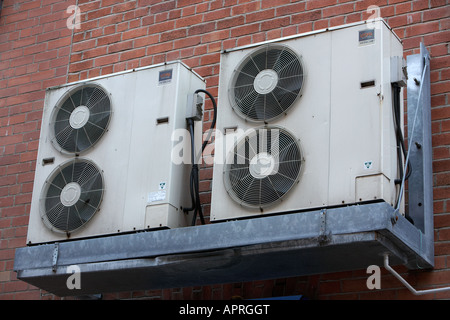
{"x":144,"y":188}
{"x":344,"y":124}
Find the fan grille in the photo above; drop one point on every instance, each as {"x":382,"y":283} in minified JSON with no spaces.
{"x":71,"y":196}
{"x":267,"y":83}
{"x":81,"y":118}
{"x":263,"y":167}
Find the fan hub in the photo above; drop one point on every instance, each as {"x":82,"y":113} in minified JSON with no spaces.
{"x":79,"y":117}
{"x":262,"y":165}
{"x":70,"y":194}
{"x":266,"y":81}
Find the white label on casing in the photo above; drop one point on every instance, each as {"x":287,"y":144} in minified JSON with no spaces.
{"x":156,"y":196}
{"x":366,"y":37}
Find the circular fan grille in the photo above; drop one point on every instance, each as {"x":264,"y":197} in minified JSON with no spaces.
{"x":263,"y":166}
{"x":267,"y":83}
{"x":80,"y":118}
{"x":71,"y":196}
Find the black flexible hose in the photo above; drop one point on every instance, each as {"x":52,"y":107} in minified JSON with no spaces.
{"x":400,"y":141}
{"x":194,"y":177}
{"x":213,"y":123}
{"x":399,"y":134}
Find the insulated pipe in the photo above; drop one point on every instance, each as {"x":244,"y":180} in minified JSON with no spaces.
{"x":406,"y":284}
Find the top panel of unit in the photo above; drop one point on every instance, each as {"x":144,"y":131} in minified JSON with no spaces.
{"x":369,"y":23}
{"x":175,"y":62}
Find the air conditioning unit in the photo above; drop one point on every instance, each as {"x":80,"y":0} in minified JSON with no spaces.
{"x":307,"y":122}
{"x":105,"y":162}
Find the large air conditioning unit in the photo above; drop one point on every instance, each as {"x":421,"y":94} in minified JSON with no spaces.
{"x":106,"y":162}
{"x":309,"y":121}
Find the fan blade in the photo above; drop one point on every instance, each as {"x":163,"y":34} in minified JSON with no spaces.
{"x":256,"y":186}
{"x":97,"y":106}
{"x":76,"y":174}
{"x":277,"y":73}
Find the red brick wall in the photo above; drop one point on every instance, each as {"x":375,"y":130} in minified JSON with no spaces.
{"x":38,"y":50}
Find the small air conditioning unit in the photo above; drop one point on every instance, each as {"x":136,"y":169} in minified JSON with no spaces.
{"x":105,"y":162}
{"x":309,"y":121}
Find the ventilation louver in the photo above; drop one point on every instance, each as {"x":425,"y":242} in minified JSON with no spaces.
{"x":72,"y":195}
{"x":80,"y":118}
{"x":263,"y":166}
{"x":267,"y":83}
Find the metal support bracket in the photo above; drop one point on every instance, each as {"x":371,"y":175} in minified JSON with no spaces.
{"x":325,"y":234}
{"x":55,"y":257}
{"x":420,"y":182}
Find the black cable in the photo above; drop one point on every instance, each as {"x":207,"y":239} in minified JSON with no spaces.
{"x":399,"y":134}
{"x":396,"y":111}
{"x":191,"y":177}
{"x":400,"y":141}
{"x":213,"y":123}
{"x":194,"y":177}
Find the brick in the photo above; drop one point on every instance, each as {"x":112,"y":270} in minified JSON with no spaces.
{"x":58,"y":43}
{"x":260,"y":15}
{"x":440,"y":63}
{"x":403,"y":8}
{"x":419,"y":5}
{"x":21,"y":43}
{"x":24,"y":98}
{"x":95,"y":14}
{"x":10,"y":159}
{"x":109,"y":59}
{"x":440,"y":87}
{"x":442,"y":179}
{"x":422,"y":28}
{"x":441,"y":165}
{"x":338,"y":10}
{"x":161,"y":27}
{"x":42,"y":75}
{"x":210,"y":59}
{"x":24,"y":127}
{"x":230,"y":22}
{"x":134,"y":33}
{"x":291,"y":9}
{"x":163,"y":6}
{"x":274,"y":3}
{"x":145,"y":41}
{"x":244,"y":30}
{"x":19,"y":80}
{"x":81,"y":46}
{"x":172,"y":35}
{"x":246,"y":8}
{"x":126,"y":6}
{"x":363,"y":5}
{"x":217,"y":14}
{"x":188,"y":21}
{"x":436,"y":13}
{"x":188,"y":42}
{"x":436,"y":38}
{"x":20,"y":16}
{"x":275,"y":23}
{"x":120,"y":46}
{"x":184,"y":3}
{"x":306,"y":16}
{"x":158,"y":48}
{"x":132,"y":54}
{"x":201,"y":28}
{"x":108,"y":40}
{"x":5,"y":276}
